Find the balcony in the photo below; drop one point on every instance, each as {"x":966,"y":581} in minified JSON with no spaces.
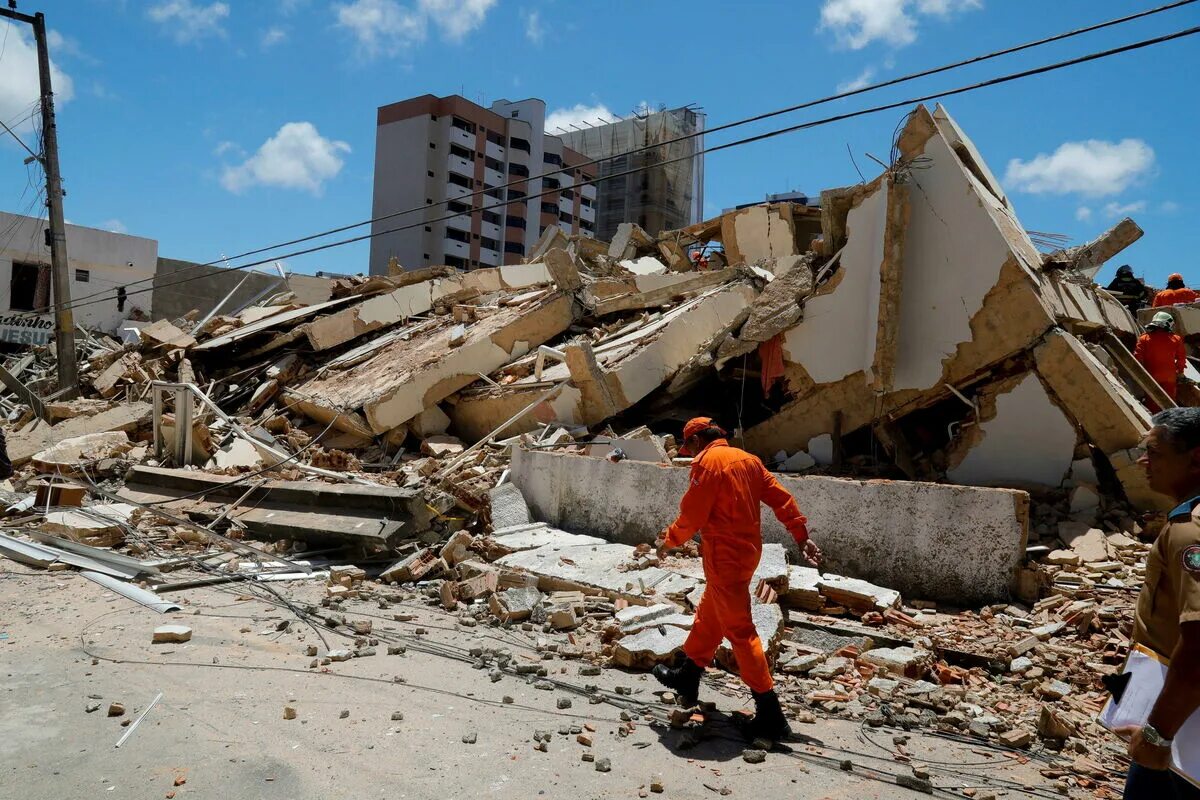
{"x":453,"y":191}
{"x":496,"y":151}
{"x":566,"y":204}
{"x":490,"y":257}
{"x":460,"y":166}
{"x":493,"y":178}
{"x":489,"y":230}
{"x":589,"y":191}
{"x":453,"y":248}
{"x":461,"y":221}
{"x":588,"y":213}
{"x":459,"y":136}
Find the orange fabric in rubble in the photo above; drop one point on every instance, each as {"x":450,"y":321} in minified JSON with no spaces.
{"x":1174,"y":297}
{"x":722,"y":501}
{"x":1164,"y":357}
{"x":770,"y":353}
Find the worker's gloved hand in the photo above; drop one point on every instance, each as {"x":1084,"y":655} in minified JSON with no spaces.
{"x":811,"y":553}
{"x":660,"y":545}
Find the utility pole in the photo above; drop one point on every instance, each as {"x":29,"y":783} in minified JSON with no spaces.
{"x":64,"y":320}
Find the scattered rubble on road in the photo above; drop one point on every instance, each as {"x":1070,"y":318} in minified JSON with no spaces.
{"x":959,"y":414}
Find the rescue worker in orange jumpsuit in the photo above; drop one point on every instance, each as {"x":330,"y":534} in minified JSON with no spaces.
{"x":1175,"y":294}
{"x":1162,"y":353}
{"x":727,"y":485}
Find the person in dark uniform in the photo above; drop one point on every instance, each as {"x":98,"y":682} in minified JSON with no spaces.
{"x":1132,"y":293}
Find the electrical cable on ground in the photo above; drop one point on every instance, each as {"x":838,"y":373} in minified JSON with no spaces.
{"x":86,"y":300}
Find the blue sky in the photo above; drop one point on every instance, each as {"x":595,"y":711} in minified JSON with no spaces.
{"x":217,"y":127}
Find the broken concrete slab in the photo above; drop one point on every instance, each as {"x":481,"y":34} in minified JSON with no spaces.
{"x":651,"y":646}
{"x":514,"y":605}
{"x":404,"y":378}
{"x":24,"y":443}
{"x":537,"y":536}
{"x":99,"y":525}
{"x":907,"y":661}
{"x":803,"y":589}
{"x":508,"y":507}
{"x":623,"y":369}
{"x":301,"y":510}
{"x":162,"y":334}
{"x":597,"y":568}
{"x":853,"y":521}
{"x":69,"y":456}
{"x":172,"y":634}
{"x":857,"y":594}
{"x":430,"y":422}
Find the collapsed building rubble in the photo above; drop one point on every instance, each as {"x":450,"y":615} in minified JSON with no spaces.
{"x":500,"y":443}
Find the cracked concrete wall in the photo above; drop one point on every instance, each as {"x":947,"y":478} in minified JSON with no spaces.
{"x":759,"y":232}
{"x":954,"y":253}
{"x":837,"y":336}
{"x":951,"y":543}
{"x":1028,"y":441}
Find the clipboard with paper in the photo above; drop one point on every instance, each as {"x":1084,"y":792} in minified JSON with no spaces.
{"x":1147,"y":672}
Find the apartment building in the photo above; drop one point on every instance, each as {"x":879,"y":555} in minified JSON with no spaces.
{"x":666,"y":188}
{"x":440,"y":151}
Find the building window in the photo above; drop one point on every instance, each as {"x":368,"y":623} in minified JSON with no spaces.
{"x":515,"y":222}
{"x":491,"y":217}
{"x":520,"y":170}
{"x":30,"y":287}
{"x":514,"y":114}
{"x":429,"y":172}
{"x":493,"y":164}
{"x":518,"y":144}
{"x":462,"y":152}
{"x":459,"y":180}
{"x":515,"y":194}
{"x":457,"y":207}
{"x":550,"y":183}
{"x":458,"y":236}
{"x":456,"y":262}
{"x":514,"y":247}
{"x":462,"y":125}
{"x":432,"y":146}
{"x":495,"y":138}
{"x":565,"y":217}
{"x":552,"y":158}
{"x":82,"y":276}
{"x":429,"y":229}
{"x":490,"y":244}
{"x":550,"y":208}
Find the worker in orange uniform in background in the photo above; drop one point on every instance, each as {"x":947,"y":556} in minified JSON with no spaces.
{"x":727,"y":485}
{"x":1176,"y":293}
{"x":1162,"y":353}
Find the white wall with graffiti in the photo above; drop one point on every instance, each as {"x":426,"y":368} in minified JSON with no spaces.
{"x":102,"y":264}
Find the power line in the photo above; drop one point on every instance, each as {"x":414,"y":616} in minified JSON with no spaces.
{"x":729,"y":145}
{"x":726,"y":126}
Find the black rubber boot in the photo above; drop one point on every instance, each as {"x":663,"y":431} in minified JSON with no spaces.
{"x":684,"y":679}
{"x":769,"y":722}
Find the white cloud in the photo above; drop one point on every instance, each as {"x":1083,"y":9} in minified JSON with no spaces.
{"x":387,"y":28}
{"x":1092,"y":168}
{"x":576,"y":114}
{"x":19,"y":89}
{"x":534,"y":30}
{"x":188,"y":21}
{"x":382,"y":27}
{"x":228,"y":147}
{"x":1114,"y":210}
{"x":1083,"y":214}
{"x":296,"y":157}
{"x":273,"y":36}
{"x":456,"y":18}
{"x":864,"y":79}
{"x":1168,"y":207}
{"x":857,"y":23}
{"x":114,"y":225}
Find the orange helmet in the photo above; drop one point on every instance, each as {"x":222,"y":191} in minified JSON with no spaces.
{"x":693,"y":427}
{"x":1174,"y":276}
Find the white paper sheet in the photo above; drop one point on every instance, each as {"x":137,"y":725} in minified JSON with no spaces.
{"x":1149,"y":673}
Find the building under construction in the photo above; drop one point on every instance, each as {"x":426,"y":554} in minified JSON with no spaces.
{"x":656,"y":198}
